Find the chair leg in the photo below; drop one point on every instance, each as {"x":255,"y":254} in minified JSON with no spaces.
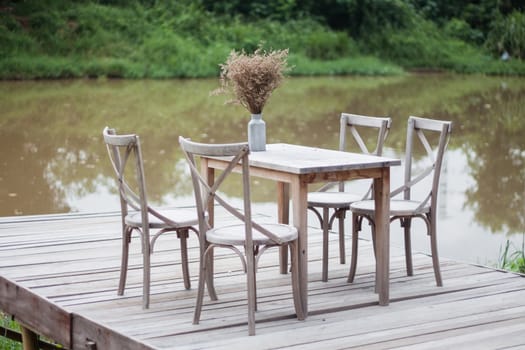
{"x":250,"y":277}
{"x":294,"y":252}
{"x":325,"y":227}
{"x":256,"y":252}
{"x":435,"y":256}
{"x":183,"y":236}
{"x":406,"y":224}
{"x":283,"y":259}
{"x":126,"y":238}
{"x":209,"y":274}
{"x":200,"y":289}
{"x":373,"y":233}
{"x":342,"y":250}
{"x":287,"y":248}
{"x":147,"y":275}
{"x":356,"y":227}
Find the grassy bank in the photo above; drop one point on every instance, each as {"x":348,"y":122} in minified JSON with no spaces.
{"x":188,"y":39}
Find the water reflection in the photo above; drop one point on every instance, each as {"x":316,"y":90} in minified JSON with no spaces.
{"x":53,"y":159}
{"x":496,"y":158}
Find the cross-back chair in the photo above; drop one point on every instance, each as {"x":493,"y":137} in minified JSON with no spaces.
{"x":251,"y":237}
{"x":325,"y":199}
{"x":407,"y":208}
{"x":137,"y":215}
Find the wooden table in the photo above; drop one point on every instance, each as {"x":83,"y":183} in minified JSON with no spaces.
{"x":294,"y":167}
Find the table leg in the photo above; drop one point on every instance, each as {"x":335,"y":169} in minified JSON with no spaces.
{"x":299,"y":191}
{"x":209,"y":175}
{"x":382,"y":223}
{"x":283,"y":214}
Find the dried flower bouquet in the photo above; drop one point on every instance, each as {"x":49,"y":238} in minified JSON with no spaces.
{"x":252,"y":78}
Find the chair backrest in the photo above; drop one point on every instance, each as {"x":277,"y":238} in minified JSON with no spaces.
{"x":206,"y":195}
{"x":125,"y":153}
{"x":423,"y":129}
{"x":355,"y":125}
{"x":350,"y":123}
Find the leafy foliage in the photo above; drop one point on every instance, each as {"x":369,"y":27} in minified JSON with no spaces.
{"x":8,"y":323}
{"x":508,"y":35}
{"x":185,"y":38}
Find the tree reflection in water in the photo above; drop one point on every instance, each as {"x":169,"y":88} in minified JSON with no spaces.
{"x":496,"y":158}
{"x":53,"y":159}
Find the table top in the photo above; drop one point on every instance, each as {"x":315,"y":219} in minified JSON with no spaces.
{"x":297,"y":159}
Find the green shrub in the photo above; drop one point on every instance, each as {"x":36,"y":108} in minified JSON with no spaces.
{"x":418,"y":48}
{"x":328,"y":45}
{"x":424,"y":46}
{"x":15,"y":42}
{"x":379,"y":16}
{"x":48,"y":28}
{"x":460,"y":29}
{"x":96,"y":30}
{"x":242,"y":36}
{"x":508,"y":35}
{"x":170,"y":55}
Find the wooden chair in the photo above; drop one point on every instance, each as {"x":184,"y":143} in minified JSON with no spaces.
{"x":254,"y":238}
{"x":137,"y":216}
{"x":339,"y":201}
{"x":408,"y":207}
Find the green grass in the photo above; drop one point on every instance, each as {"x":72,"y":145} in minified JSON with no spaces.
{"x":513,"y":259}
{"x":8,"y":344}
{"x":358,"y":65}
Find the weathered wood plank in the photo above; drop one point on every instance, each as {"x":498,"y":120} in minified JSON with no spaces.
{"x":88,"y":333}
{"x":72,"y":264}
{"x":401,"y":324}
{"x":35,"y":312}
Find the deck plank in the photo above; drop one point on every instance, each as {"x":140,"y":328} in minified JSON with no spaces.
{"x":72,"y":262}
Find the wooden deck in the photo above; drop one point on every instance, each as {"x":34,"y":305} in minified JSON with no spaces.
{"x":59,"y":274}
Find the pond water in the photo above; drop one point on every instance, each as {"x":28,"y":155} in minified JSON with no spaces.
{"x":53,"y":160}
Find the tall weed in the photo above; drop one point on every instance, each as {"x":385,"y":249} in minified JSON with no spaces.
{"x":513,"y":260}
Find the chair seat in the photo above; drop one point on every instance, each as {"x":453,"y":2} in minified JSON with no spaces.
{"x":236,"y":235}
{"x":332,"y":199}
{"x":180,"y":218}
{"x":398,"y":207}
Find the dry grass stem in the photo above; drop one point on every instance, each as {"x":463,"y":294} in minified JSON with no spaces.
{"x":252,"y":78}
